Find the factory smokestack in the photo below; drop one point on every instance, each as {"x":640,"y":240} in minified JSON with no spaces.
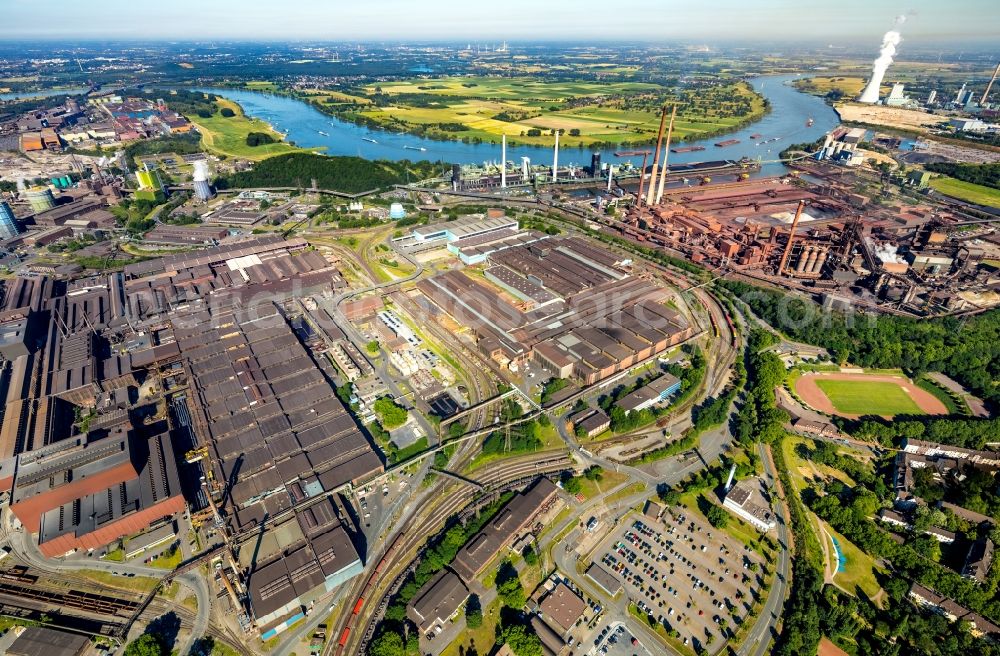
{"x":996,"y":71}
{"x":890,"y":40}
{"x":666,"y":155}
{"x":791,"y":237}
{"x":503,"y":162}
{"x":651,"y":194}
{"x":555,"y":160}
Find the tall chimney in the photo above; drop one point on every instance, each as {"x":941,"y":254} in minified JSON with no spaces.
{"x":503,"y":162}
{"x":555,"y":159}
{"x":611,"y":169}
{"x":650,"y":195}
{"x":791,"y":237}
{"x":729,"y":481}
{"x":996,"y":71}
{"x":666,"y":156}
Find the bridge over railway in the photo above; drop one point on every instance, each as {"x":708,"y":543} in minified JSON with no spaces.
{"x":458,"y":477}
{"x":514,"y":391}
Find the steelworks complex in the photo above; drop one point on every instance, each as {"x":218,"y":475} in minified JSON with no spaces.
{"x":577,"y":309}
{"x":178,"y":384}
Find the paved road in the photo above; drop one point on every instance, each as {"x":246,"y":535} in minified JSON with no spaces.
{"x":23,"y":546}
{"x":758,"y":641}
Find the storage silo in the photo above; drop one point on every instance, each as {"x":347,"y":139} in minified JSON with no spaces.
{"x":39,"y":198}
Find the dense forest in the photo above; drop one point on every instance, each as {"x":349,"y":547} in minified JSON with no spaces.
{"x":983,"y":174}
{"x":347,"y":174}
{"x":967,"y":349}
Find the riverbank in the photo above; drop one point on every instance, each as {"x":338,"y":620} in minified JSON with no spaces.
{"x":227,"y":135}
{"x":479,"y":110}
{"x":310,"y":129}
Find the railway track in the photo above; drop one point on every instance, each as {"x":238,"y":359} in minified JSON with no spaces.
{"x":414,"y":533}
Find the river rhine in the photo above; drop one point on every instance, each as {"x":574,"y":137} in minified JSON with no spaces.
{"x":790,"y":111}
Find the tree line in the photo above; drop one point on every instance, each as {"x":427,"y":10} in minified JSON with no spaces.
{"x":987,"y":175}
{"x":345,"y":174}
{"x":967,"y":348}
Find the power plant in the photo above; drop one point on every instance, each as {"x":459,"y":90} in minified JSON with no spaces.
{"x":202,"y":188}
{"x":890,"y":40}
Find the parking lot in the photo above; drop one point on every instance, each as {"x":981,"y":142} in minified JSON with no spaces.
{"x":694,"y":579}
{"x":616,"y":640}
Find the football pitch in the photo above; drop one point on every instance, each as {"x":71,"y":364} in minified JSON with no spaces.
{"x":862,"y":397}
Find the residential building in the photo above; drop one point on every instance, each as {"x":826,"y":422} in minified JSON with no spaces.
{"x":978,"y":560}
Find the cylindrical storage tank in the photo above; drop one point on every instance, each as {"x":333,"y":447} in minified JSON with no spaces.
{"x":813,"y":254}
{"x":39,"y":198}
{"x":803,"y":256}
{"x":820,"y":261}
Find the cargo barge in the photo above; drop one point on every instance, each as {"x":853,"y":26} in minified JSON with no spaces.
{"x":687,"y":149}
{"x":727,"y":142}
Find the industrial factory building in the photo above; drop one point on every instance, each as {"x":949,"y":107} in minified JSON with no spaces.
{"x":740,"y":501}
{"x":653,"y":392}
{"x":300,"y":559}
{"x":437,"y":602}
{"x":116,"y":486}
{"x":254,"y":413}
{"x":563,"y":302}
{"x":469,"y":228}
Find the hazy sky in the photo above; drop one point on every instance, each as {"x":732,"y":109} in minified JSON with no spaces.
{"x":467,"y":20}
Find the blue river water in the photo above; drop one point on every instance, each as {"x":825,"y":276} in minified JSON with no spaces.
{"x":18,"y":95}
{"x":790,"y":111}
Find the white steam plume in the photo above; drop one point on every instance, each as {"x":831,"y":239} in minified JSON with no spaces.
{"x":200,"y":171}
{"x":888,"y":51}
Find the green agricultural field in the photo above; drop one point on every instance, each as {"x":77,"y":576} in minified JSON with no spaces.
{"x":850,"y":86}
{"x":967,"y":191}
{"x":228,"y":136}
{"x":530,"y":110}
{"x":861,"y":397}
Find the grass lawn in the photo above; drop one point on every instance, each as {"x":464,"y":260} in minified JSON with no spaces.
{"x":956,"y":406}
{"x":967,"y":191}
{"x":659,"y":629}
{"x":227,"y":136}
{"x":634,"y":488}
{"x":859,"y":568}
{"x":479,"y":640}
{"x":168,"y":561}
{"x":141,"y":584}
{"x":850,"y":86}
{"x":859,"y":397}
{"x":609,"y":480}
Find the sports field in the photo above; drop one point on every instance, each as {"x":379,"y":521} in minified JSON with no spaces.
{"x":228,"y":136}
{"x":529,"y":110}
{"x":855,"y":395}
